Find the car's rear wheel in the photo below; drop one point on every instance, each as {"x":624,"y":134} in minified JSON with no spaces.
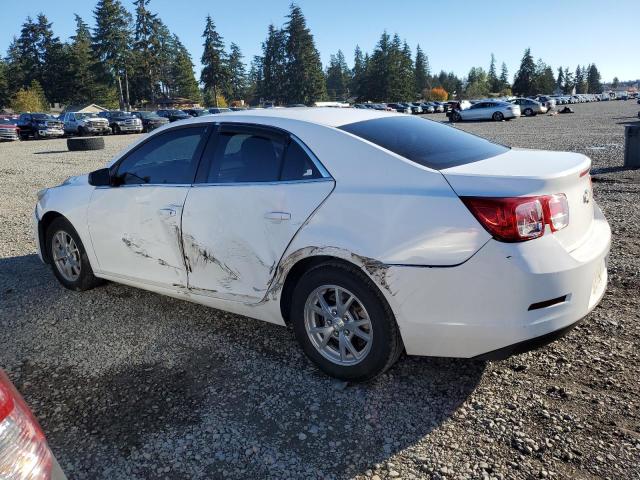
{"x":498,"y":116}
{"x":68,"y":258}
{"x":343,"y":323}
{"x":116,"y":130}
{"x":528,"y":112}
{"x":455,"y":116}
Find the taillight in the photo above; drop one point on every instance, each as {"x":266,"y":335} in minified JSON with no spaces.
{"x":516,"y":219}
{"x":24,"y":454}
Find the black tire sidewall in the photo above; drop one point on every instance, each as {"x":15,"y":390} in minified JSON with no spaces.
{"x":498,"y":117}
{"x":382,"y":321}
{"x":86,"y":280}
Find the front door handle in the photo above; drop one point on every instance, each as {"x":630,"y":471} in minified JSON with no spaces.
{"x":167,"y":212}
{"x":277,"y":216}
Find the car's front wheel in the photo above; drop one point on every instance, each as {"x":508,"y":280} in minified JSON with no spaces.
{"x":498,"y":116}
{"x":68,"y":258}
{"x":343,"y":323}
{"x":528,"y":112}
{"x":455,"y":116}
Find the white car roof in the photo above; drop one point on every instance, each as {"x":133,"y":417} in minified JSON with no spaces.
{"x":332,"y":117}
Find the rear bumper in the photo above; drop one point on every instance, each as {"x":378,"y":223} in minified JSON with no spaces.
{"x":499,"y":300}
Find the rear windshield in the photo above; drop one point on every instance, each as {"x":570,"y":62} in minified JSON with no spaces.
{"x":425,"y":142}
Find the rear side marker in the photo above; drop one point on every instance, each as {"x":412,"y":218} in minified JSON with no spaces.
{"x":547,"y":303}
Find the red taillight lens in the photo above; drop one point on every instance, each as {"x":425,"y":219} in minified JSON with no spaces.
{"x":557,"y":211}
{"x":508,"y":219}
{"x":24,"y":454}
{"x":518,"y":219}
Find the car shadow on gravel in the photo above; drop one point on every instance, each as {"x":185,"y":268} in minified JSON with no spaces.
{"x":51,"y":152}
{"x":237,"y":391}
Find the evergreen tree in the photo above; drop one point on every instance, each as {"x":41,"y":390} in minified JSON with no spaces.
{"x":274,"y":66}
{"x":492,"y":77}
{"x":215,"y":69}
{"x":255,"y":80}
{"x":615,"y":83}
{"x":580,"y":80}
{"x":524,"y":82}
{"x":28,"y":59}
{"x":504,"y":77}
{"x":184,"y":83}
{"x":421,"y":73}
{"x":358,"y":74}
{"x":560,"y":79}
{"x":378,"y":74}
{"x":53,"y":54}
{"x":477,"y":83}
{"x":338,"y":77}
{"x":112,"y":39}
{"x":82,"y":65}
{"x":305,"y":78}
{"x":15,"y":71}
{"x":568,"y":81}
{"x":593,"y":79}
{"x":545,"y":81}
{"x":146,"y":53}
{"x":4,"y":85}
{"x":238,"y":75}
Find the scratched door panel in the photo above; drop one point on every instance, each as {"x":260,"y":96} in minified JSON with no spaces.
{"x":234,"y":235}
{"x":135,"y":231}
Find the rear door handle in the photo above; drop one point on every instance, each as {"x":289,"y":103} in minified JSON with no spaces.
{"x":167,"y":212}
{"x":277,"y":216}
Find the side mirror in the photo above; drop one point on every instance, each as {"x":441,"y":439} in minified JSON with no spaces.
{"x":100,"y":178}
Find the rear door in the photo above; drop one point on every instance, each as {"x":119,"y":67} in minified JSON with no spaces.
{"x":255,"y":188}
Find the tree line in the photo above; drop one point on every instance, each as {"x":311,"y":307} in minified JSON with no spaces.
{"x":130,"y":59}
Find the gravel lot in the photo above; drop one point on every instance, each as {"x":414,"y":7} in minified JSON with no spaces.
{"x":129,"y":384}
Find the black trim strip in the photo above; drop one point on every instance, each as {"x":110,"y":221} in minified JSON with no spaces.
{"x":547,"y":303}
{"x":526,"y":345}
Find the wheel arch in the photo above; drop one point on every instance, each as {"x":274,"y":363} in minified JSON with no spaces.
{"x":43,"y":225}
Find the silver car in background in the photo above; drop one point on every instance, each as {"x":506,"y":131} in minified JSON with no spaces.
{"x":487,"y":110}
{"x":529,"y":107}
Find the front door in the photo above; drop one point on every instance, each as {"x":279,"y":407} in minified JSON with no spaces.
{"x":257,"y":188}
{"x":135,"y":224}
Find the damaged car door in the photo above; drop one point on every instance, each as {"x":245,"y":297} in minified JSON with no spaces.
{"x":135,"y":222}
{"x":255,"y":188}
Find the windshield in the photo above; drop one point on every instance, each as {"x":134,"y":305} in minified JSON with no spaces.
{"x":86,"y":115}
{"x":43,"y":116}
{"x":120,"y":113}
{"x":425,"y":142}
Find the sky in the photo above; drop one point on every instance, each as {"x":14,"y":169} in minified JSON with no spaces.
{"x":455,"y":35}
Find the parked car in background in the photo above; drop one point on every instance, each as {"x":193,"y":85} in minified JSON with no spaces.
{"x":77,"y":123}
{"x":440,"y":107}
{"x":24,"y":453}
{"x":173,"y":115}
{"x":150,"y":120}
{"x":427,"y":108}
{"x":196,"y":112}
{"x":529,"y":107}
{"x":416,"y":107}
{"x":122,"y":122}
{"x":399,"y":107}
{"x":547,"y":101}
{"x":9,"y":130}
{"x":215,"y":110}
{"x":39,"y":125}
{"x":487,"y":110}
{"x":504,"y":248}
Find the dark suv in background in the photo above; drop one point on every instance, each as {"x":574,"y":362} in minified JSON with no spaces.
{"x":150,"y":120}
{"x":122,"y":122}
{"x":39,"y":125}
{"x":173,"y":115}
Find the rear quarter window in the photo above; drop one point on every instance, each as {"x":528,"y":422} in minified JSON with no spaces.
{"x":425,"y":142}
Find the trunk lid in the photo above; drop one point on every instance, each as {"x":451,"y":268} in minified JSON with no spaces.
{"x":524,"y":173}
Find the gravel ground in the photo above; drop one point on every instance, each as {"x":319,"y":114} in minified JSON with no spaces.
{"x":129,"y":384}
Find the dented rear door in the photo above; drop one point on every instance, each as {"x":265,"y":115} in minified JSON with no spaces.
{"x":256,"y":189}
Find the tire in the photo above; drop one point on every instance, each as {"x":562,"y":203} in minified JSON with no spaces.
{"x":116,"y":130}
{"x":455,"y":116}
{"x":80,"y":144}
{"x":528,"y":112}
{"x":80,"y":279}
{"x":81,"y":131}
{"x":369,"y":306}
{"x":36,"y":135}
{"x":498,"y":116}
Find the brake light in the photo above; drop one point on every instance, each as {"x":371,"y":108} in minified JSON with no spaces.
{"x":24,"y":454}
{"x":517,"y":219}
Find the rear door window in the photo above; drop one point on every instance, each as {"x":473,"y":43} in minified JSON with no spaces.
{"x":297,"y":164}
{"x":428,"y":143}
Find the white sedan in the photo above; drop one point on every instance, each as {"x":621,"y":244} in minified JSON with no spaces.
{"x":487,"y":110}
{"x":370,"y":233}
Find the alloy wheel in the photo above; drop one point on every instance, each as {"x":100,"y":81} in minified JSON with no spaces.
{"x":338,"y":325}
{"x":66,"y":256}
